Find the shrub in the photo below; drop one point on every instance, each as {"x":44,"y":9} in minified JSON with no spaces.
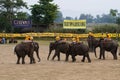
{"x":106,"y":28}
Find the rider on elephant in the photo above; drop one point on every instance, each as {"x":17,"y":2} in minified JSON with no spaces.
{"x":28,"y":38}
{"x":73,"y":41}
{"x":59,"y":40}
{"x":77,"y":39}
{"x":91,"y":34}
{"x":108,"y":36}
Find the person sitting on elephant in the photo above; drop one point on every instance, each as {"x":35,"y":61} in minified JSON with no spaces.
{"x":108,"y":37}
{"x":91,"y":34}
{"x":28,"y":38}
{"x":73,"y":40}
{"x":31,"y":38}
{"x":77,"y":39}
{"x":59,"y":40}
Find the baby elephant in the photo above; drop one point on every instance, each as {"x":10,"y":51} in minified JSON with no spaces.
{"x":23,"y":49}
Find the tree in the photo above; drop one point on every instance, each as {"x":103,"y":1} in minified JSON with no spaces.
{"x":59,"y":18}
{"x":8,"y":10}
{"x":68,"y":18}
{"x":107,"y":18}
{"x":4,"y":24}
{"x":44,"y":13}
{"x":88,"y":17}
{"x":22,"y":15}
{"x":115,"y":14}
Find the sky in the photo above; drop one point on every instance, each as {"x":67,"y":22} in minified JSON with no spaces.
{"x":74,"y":8}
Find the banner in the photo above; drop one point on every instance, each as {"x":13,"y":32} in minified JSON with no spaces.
{"x":74,"y":24}
{"x":68,"y":35}
{"x":22,"y":23}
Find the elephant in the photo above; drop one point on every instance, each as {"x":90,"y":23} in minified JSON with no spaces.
{"x":36,"y":49}
{"x":93,"y":44}
{"x":59,"y":47}
{"x":23,"y":49}
{"x":79,"y":49}
{"x":108,"y":45}
{"x":105,"y":45}
{"x":69,"y":49}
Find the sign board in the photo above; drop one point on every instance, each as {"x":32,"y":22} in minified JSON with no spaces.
{"x":22,"y":23}
{"x":74,"y":24}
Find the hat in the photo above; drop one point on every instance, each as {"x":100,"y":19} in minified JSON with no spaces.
{"x":90,"y":33}
{"x":73,"y":39}
{"x":57,"y":38}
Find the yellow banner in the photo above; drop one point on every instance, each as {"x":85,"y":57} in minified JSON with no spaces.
{"x":69,"y":35}
{"x":74,"y":24}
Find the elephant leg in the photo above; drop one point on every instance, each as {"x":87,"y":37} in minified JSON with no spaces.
{"x":67,"y":56}
{"x":73,"y":58}
{"x":88,"y":57}
{"x":37,"y":52}
{"x":23,"y":60}
{"x":54,"y":56}
{"x":83,"y":59}
{"x":31,"y":58}
{"x":95,"y":52}
{"x":58,"y":56}
{"x":114,"y":53}
{"x":100,"y":54}
{"x":103,"y":54}
{"x":49,"y":54}
{"x":18,"y":60}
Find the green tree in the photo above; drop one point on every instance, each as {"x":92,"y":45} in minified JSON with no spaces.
{"x":8,"y":10}
{"x":59,"y":18}
{"x":44,"y":13}
{"x":22,"y":15}
{"x":115,"y":14}
{"x":4,"y":24}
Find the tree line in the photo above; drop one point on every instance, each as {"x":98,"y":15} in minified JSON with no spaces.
{"x":112,"y":17}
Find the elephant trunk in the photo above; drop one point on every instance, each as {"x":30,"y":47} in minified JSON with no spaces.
{"x":95,"y":52}
{"x":37,"y":52}
{"x":49,"y":54}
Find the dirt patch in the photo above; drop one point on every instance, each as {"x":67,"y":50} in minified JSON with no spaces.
{"x":108,"y":69}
